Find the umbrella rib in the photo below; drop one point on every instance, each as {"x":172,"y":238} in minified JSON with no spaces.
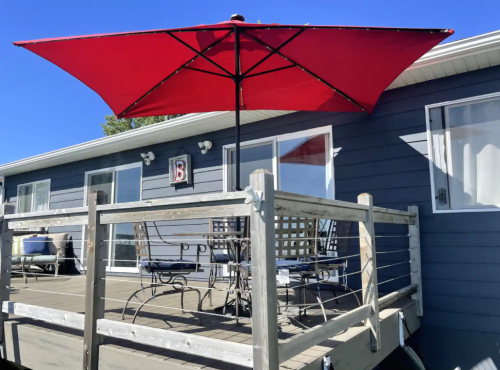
{"x":209,"y":72}
{"x":201,"y":54}
{"x":344,"y":95}
{"x":270,"y":71}
{"x":272,"y":52}
{"x":173,"y":73}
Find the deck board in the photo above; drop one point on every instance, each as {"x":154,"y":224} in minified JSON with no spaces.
{"x":170,"y":319}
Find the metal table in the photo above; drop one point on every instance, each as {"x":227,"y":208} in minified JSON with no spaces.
{"x":237,"y":253}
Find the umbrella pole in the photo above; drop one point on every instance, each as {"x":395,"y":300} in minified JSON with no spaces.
{"x":237,"y":82}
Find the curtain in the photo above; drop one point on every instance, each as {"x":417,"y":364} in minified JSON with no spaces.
{"x":474,"y":152}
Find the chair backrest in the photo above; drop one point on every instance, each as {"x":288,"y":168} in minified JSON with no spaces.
{"x":141,"y":237}
{"x":226,"y":224}
{"x":230,"y":224}
{"x":296,"y":237}
{"x":340,"y":237}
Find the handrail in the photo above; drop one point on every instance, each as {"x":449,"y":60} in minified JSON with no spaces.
{"x":152,"y":203}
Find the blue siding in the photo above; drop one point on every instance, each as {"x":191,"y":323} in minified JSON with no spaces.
{"x":384,"y":154}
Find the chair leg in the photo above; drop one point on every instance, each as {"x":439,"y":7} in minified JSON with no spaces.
{"x":334,"y":294}
{"x":128,"y":301}
{"x":140,"y":307}
{"x":57,"y":270}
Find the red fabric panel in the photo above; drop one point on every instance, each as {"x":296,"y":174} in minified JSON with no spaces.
{"x":292,"y":89}
{"x":360,"y":63}
{"x":182,"y":95}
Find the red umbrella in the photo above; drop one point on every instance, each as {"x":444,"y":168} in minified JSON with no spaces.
{"x":240,"y":66}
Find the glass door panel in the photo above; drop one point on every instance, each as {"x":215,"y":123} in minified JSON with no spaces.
{"x":127,"y":189}
{"x":303,"y":169}
{"x":303,"y":165}
{"x":251,"y":158}
{"x":41,"y":198}
{"x":102,"y":182}
{"x":25,"y":200}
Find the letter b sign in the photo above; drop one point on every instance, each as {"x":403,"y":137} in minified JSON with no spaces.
{"x":180,"y":169}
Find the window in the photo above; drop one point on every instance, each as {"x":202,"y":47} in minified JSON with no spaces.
{"x":301,"y":162}
{"x":33,"y":197}
{"x":120,"y":184}
{"x":464,"y":145}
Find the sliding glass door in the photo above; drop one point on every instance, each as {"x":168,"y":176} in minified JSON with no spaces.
{"x":301,"y":162}
{"x":120,"y":184}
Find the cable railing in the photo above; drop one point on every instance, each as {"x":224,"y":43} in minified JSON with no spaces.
{"x":255,"y":288}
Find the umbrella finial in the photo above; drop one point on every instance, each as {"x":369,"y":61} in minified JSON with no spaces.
{"x":237,"y":17}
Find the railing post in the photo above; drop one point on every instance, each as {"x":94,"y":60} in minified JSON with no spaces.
{"x":5,"y":262}
{"x":369,"y":269}
{"x":264,"y":295}
{"x":415,"y":264}
{"x":97,"y":253}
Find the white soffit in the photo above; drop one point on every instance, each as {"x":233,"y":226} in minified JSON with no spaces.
{"x":178,"y":128}
{"x":449,"y":59}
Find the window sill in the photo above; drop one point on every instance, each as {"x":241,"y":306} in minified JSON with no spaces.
{"x":466,"y":210}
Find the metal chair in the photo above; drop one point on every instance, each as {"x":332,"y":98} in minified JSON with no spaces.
{"x":166,"y":271}
{"x":297,"y":252}
{"x":338,"y":238}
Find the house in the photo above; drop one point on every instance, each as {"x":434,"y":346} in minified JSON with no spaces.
{"x":432,"y":141}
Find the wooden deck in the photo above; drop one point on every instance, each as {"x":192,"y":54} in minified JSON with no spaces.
{"x":68,"y":292}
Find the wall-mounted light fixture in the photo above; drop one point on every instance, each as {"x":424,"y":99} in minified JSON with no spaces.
{"x":148,"y":157}
{"x":205,"y":146}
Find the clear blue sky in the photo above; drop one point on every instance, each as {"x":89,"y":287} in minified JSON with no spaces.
{"x":44,"y":108}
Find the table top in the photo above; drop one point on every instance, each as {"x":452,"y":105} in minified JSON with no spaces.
{"x":211,"y":233}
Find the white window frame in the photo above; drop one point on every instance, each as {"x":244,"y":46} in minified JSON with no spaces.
{"x":431,"y":152}
{"x":33,"y":183}
{"x":330,"y":178}
{"x":85,"y":195}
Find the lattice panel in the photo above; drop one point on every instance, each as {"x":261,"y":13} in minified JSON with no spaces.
{"x":296,"y":237}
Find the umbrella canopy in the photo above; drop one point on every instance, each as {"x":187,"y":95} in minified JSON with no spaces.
{"x":239,"y":66}
{"x":281,"y":67}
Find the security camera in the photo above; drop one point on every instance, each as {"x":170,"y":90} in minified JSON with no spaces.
{"x":148,"y":157}
{"x":205,"y":146}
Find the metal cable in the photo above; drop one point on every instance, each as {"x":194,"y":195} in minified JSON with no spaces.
{"x":389,"y":252}
{"x":48,"y":275}
{"x":47,"y":291}
{"x":165,"y":284}
{"x":176,"y":309}
{"x":394,"y":264}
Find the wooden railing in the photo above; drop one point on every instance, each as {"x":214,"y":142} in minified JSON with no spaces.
{"x":267,"y":352}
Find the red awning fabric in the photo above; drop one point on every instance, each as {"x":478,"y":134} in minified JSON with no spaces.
{"x":316,"y":68}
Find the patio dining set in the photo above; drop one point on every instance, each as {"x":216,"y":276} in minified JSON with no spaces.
{"x":311,"y":257}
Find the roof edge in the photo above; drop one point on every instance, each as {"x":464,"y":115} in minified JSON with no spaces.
{"x":458,"y":49}
{"x":121,"y":137}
